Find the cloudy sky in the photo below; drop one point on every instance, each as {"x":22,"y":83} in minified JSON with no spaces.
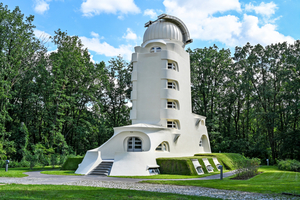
{"x":113,"y":27}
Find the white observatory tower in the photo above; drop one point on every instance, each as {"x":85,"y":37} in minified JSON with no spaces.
{"x":163,"y":124}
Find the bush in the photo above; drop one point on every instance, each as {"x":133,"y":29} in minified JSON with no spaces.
{"x":72,"y":163}
{"x":246,"y":168}
{"x":31,"y":158}
{"x":289,"y":165}
{"x":225,"y":159}
{"x":180,"y":166}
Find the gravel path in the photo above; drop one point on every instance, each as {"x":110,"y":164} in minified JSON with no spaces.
{"x":133,"y":184}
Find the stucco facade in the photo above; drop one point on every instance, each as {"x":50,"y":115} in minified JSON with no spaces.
{"x":163,"y":124}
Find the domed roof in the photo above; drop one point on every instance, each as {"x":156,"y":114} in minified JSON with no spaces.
{"x":166,"y":27}
{"x":163,"y":30}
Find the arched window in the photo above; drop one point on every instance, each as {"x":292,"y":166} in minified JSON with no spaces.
{"x":172,"y":124}
{"x":155,"y":49}
{"x":134,"y":144}
{"x":172,"y":66}
{"x":164,"y":146}
{"x":172,"y":85}
{"x":172,"y":104}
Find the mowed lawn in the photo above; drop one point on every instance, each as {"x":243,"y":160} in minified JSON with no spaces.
{"x":14,"y":191}
{"x":19,"y":171}
{"x":272,"y":181}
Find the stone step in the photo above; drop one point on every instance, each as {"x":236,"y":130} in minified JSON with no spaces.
{"x":102,"y":169}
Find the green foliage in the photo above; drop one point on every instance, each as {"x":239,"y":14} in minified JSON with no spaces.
{"x":203,"y":166}
{"x":289,"y":165}
{"x":72,"y":163}
{"x":180,"y":166}
{"x":32,"y":158}
{"x":271,"y":181}
{"x":210,"y":160}
{"x":225,"y":159}
{"x":246,"y":168}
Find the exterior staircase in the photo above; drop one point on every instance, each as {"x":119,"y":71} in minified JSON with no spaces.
{"x":103,"y":169}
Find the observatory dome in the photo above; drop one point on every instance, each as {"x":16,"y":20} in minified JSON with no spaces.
{"x":163,"y":30}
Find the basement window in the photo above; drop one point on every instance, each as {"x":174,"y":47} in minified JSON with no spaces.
{"x":199,"y":170}
{"x":153,"y":171}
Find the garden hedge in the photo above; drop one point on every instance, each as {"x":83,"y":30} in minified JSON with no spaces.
{"x":72,"y":163}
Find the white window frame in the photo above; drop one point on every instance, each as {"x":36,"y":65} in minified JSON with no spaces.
{"x":172,"y":85}
{"x":172,"y":104}
{"x":172,"y":124}
{"x":164,"y":146}
{"x":155,"y":49}
{"x":172,"y":66}
{"x":134,"y":144}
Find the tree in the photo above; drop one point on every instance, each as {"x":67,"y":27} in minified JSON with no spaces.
{"x":19,"y":52}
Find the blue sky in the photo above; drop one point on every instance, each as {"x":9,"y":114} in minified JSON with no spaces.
{"x":113,"y":27}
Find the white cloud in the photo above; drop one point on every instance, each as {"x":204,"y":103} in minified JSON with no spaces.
{"x":94,"y":34}
{"x":266,"y":9}
{"x":103,"y":48}
{"x":96,"y":7}
{"x":41,"y":6}
{"x":130,"y":35}
{"x":228,"y":29}
{"x":41,"y":34}
{"x":151,"y":13}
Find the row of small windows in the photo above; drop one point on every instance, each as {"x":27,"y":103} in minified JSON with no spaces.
{"x":171,"y":65}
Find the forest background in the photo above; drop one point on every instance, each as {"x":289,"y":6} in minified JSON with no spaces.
{"x":60,"y":103}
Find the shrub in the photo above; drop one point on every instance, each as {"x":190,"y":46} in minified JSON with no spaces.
{"x":72,"y":163}
{"x":31,"y":158}
{"x":246,"y":168}
{"x":225,"y":159}
{"x":54,"y":160}
{"x":289,"y":165}
{"x":180,"y":166}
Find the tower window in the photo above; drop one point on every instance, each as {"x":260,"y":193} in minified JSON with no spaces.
{"x":172,"y":124}
{"x":172,"y":104}
{"x":172,"y":66}
{"x":172,"y":85}
{"x":134,"y":144}
{"x":155,"y":49}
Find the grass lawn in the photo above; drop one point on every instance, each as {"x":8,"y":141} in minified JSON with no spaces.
{"x":14,"y":191}
{"x":18,"y":172}
{"x":61,"y":172}
{"x":272,"y":181}
{"x":170,"y":176}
